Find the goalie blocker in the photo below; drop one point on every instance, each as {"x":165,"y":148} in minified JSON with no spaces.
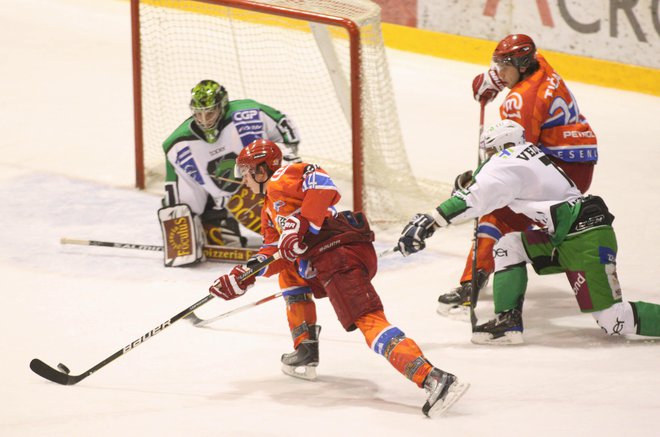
{"x":183,"y":236}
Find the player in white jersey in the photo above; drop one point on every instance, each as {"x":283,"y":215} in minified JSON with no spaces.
{"x":574,"y":235}
{"x":200,"y":184}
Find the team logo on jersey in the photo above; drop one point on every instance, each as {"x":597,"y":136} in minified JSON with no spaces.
{"x":245,"y":115}
{"x":248,"y":125}
{"x":311,"y":168}
{"x":186,"y":162}
{"x":513,"y":105}
{"x":278,"y":204}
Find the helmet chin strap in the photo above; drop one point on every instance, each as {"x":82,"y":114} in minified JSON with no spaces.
{"x":262,"y":185}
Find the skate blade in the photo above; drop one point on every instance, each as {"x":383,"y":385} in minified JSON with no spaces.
{"x":460,"y":313}
{"x":509,"y":338}
{"x":454,"y":312}
{"x":445,"y":309}
{"x":454,"y":393}
{"x":303,"y":372}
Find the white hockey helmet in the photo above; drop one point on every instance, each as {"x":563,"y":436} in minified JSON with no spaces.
{"x":503,"y":134}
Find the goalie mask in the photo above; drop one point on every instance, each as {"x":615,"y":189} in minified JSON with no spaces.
{"x":501,"y":135}
{"x":208,"y":103}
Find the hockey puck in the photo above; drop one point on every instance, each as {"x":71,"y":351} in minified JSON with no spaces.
{"x":63,"y":368}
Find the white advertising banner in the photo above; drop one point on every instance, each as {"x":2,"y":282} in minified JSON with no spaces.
{"x":626,"y":31}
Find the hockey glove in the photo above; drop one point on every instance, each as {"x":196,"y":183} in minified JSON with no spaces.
{"x":291,"y":245}
{"x":486,"y":86}
{"x":420,"y":227}
{"x":462,"y":181}
{"x":229,"y":287}
{"x":254,"y":260}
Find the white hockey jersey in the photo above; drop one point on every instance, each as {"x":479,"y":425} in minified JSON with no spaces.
{"x":196,"y":169}
{"x":522,"y":178}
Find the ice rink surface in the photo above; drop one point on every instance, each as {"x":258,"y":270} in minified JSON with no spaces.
{"x":66,"y":170}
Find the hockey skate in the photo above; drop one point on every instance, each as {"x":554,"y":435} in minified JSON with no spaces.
{"x":505,"y":328}
{"x":444,"y":390}
{"x":456,"y":303}
{"x":302,"y":362}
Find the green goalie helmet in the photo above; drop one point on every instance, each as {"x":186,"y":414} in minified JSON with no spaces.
{"x":208,"y":102}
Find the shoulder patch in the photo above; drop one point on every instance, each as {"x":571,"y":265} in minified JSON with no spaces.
{"x":310,"y":168}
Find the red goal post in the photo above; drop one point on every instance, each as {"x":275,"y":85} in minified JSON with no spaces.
{"x":324,"y":66}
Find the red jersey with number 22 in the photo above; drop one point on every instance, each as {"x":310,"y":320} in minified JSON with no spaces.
{"x":545,"y":107}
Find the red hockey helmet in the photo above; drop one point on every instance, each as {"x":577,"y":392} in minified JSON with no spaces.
{"x":257,"y":153}
{"x":517,"y":50}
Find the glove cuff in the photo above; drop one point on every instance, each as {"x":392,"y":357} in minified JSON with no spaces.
{"x":495,"y":79}
{"x":440,"y":220}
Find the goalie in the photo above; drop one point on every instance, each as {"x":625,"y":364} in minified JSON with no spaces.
{"x":203,"y":201}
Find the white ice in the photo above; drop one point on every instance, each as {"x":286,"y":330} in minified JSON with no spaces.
{"x":66,"y":170}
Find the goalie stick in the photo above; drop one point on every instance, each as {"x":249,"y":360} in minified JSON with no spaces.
{"x":62,"y":375}
{"x":213,"y":253}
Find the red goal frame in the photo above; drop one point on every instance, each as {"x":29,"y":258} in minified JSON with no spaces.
{"x":355,"y":81}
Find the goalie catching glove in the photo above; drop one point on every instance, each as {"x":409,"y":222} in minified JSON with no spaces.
{"x":290,"y":245}
{"x":230,"y":286}
{"x":413,"y":236}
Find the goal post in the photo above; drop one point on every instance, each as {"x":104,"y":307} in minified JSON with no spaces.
{"x":321,"y":62}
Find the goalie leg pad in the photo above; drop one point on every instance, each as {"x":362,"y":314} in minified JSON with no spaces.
{"x":183,"y":236}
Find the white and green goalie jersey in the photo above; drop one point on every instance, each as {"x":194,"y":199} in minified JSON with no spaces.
{"x":196,"y":169}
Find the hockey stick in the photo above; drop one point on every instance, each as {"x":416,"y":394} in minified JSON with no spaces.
{"x":199,"y":322}
{"x":203,"y":322}
{"x":388,"y":252}
{"x":62,"y":375}
{"x":473,"y":282}
{"x":213,"y":253}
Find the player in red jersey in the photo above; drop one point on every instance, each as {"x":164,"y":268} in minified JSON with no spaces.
{"x":541,"y":102}
{"x":325,"y":253}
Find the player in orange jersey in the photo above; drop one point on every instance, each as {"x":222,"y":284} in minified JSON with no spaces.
{"x":541,"y":102}
{"x":325,"y":253}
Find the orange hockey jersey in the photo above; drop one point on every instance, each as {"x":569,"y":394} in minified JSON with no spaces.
{"x":296,"y":188}
{"x":545,"y":107}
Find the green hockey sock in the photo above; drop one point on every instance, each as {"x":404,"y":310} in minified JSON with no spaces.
{"x":509,"y":288}
{"x":648,"y":315}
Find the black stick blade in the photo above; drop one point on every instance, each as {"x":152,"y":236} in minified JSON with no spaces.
{"x":45,"y":371}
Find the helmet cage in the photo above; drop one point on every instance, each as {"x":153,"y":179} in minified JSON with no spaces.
{"x":207,"y":117}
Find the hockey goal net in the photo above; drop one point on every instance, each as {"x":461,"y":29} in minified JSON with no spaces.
{"x":321,"y":62}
